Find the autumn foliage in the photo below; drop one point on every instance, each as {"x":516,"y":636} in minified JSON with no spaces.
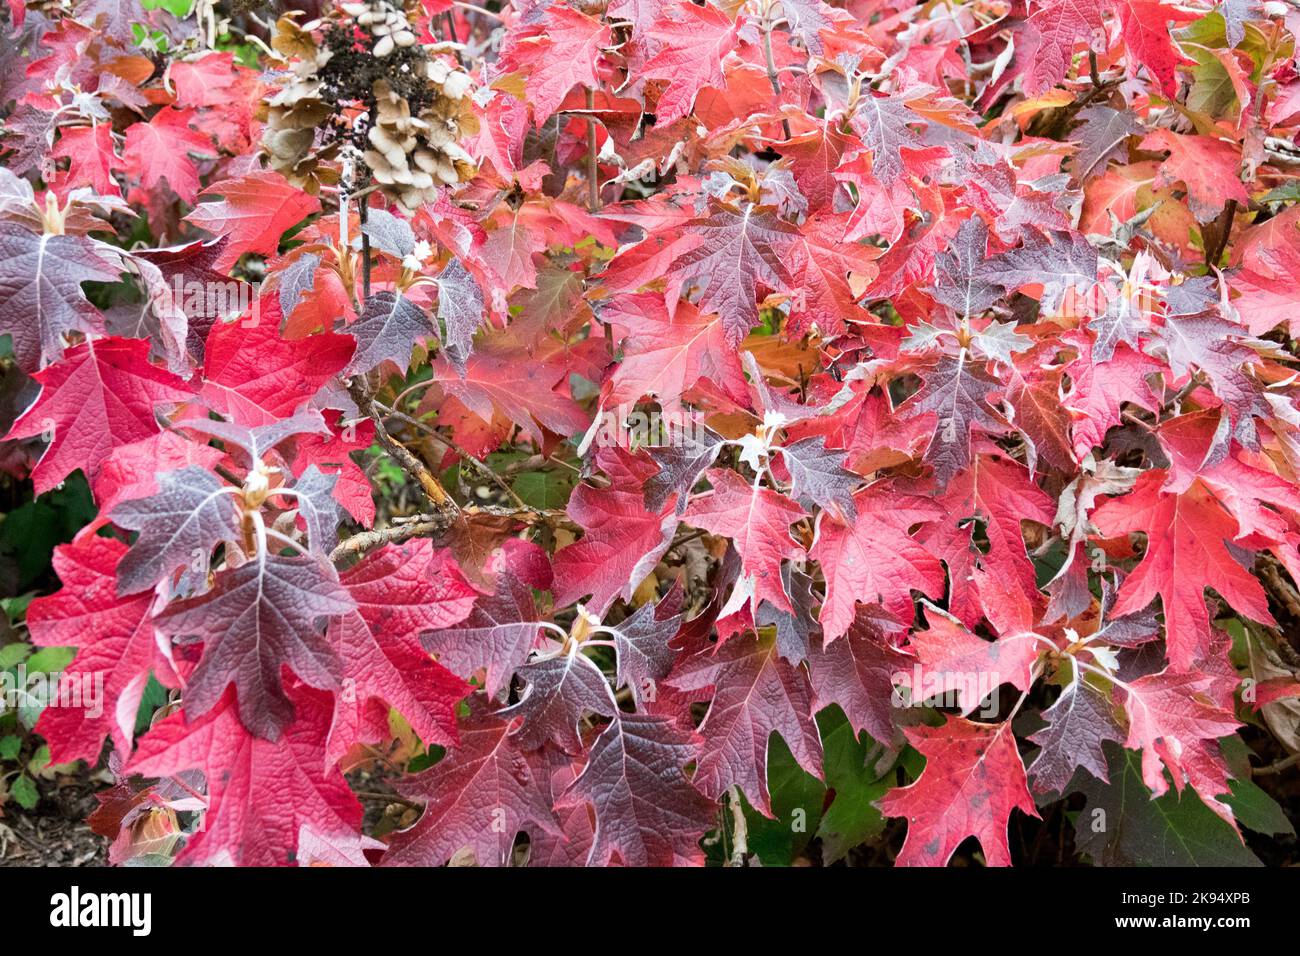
{"x":663,"y":432}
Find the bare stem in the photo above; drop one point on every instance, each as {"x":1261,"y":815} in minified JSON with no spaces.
{"x":739,"y":829}
{"x":363,"y":542}
{"x":772,"y":76}
{"x":449,"y":19}
{"x":1275,"y":768}
{"x":593,"y":169}
{"x":476,"y":9}
{"x":481,"y":466}
{"x":416,"y":469}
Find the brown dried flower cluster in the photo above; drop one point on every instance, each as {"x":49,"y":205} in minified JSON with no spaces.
{"x":401,"y":107}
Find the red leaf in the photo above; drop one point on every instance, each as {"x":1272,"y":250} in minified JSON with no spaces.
{"x":876,"y":560}
{"x":756,"y":692}
{"x":261,"y":793}
{"x":1146,"y":34}
{"x":132,"y":471}
{"x":92,"y":158}
{"x":41,"y":299}
{"x":477,"y":798}
{"x":1055,"y":28}
{"x":689,"y":45}
{"x":647,"y":812}
{"x":1001,"y":493}
{"x":860,"y":671}
{"x":758,"y":522}
{"x":160,"y":150}
{"x":623,"y":541}
{"x":496,"y":638}
{"x":1208,"y":167}
{"x":117,"y":651}
{"x":100,"y":397}
{"x":740,"y":249}
{"x":257,"y":619}
{"x":256,"y":377}
{"x":253,"y":213}
{"x":973,"y":779}
{"x":957,"y":391}
{"x":665,"y":357}
{"x":954,"y":656}
{"x":1175,"y":719}
{"x":333,"y":456}
{"x":1187,"y":539}
{"x":560,"y":52}
{"x":561,"y":690}
{"x":400,"y":592}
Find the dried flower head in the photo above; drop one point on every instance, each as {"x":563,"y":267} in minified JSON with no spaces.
{"x":371,"y":84}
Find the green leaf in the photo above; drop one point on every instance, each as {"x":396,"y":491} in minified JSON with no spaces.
{"x":179,"y":8}
{"x":154,"y":696}
{"x":1288,"y":192}
{"x":1256,"y":810}
{"x":40,"y":760}
{"x":1252,"y":807}
{"x":11,"y":655}
{"x":542,"y":489}
{"x":29,"y":533}
{"x":1212,"y":92}
{"x":1121,"y":825}
{"x":139,"y":34}
{"x":24,"y":791}
{"x":47,"y":660}
{"x":797,"y":799}
{"x":852,"y":818}
{"x":427,"y":759}
{"x":10,"y":745}
{"x":50,"y":660}
{"x":15,"y":608}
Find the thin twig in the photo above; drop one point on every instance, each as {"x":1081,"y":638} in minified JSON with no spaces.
{"x":593,"y":169}
{"x":1177,"y":399}
{"x":687,"y":538}
{"x":449,"y":19}
{"x":405,"y":527}
{"x":771,"y":70}
{"x":476,"y":9}
{"x":416,"y":469}
{"x":389,"y":797}
{"x":1275,"y":582}
{"x":482,"y":466}
{"x":564,"y":464}
{"x":365,"y":540}
{"x":1275,"y":768}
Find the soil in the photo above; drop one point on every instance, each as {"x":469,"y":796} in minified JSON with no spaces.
{"x":55,"y":832}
